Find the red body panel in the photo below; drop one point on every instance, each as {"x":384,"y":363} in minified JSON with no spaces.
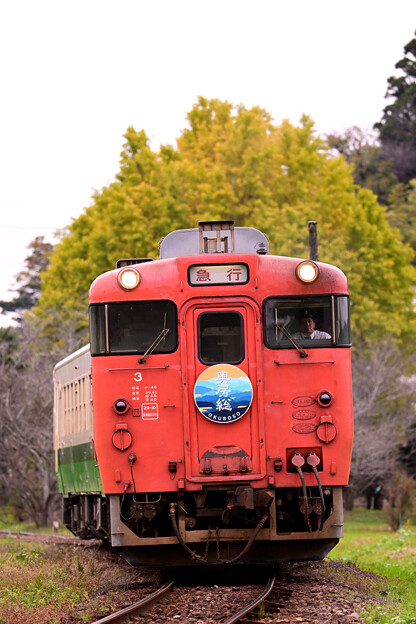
{"x":163,"y":421}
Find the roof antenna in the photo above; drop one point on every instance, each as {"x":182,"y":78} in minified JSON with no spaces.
{"x":313,"y":240}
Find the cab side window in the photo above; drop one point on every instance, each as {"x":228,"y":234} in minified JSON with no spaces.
{"x":312,"y":322}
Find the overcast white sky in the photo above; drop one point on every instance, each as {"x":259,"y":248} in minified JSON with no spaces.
{"x":74,"y":75}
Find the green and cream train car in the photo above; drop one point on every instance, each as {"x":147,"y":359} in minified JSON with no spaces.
{"x":75,"y":463}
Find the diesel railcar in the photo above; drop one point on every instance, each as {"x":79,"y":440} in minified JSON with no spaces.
{"x":210,"y":419}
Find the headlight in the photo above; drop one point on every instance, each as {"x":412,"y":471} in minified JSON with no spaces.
{"x":128,"y":278}
{"x":307,"y":271}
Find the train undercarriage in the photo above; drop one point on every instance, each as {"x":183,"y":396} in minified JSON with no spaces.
{"x":215,"y":525}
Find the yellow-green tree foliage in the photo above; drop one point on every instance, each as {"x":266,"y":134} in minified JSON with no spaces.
{"x":236,"y":163}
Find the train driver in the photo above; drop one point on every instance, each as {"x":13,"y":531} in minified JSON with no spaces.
{"x":307,"y":327}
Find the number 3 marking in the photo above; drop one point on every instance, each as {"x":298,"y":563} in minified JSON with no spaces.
{"x":137,"y":376}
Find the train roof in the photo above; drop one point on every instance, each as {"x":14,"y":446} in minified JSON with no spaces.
{"x":76,"y":355}
{"x":213,"y":237}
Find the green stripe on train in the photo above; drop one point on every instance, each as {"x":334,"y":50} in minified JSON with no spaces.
{"x":77,"y":470}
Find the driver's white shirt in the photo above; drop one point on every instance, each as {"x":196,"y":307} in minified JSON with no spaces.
{"x":317,"y":335}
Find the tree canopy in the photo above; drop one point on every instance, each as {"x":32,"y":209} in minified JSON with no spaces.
{"x":234,"y":162}
{"x":371,"y":170}
{"x":28,"y":282}
{"x":397,"y":127}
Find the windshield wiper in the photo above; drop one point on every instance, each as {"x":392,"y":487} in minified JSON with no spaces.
{"x":297,"y":346}
{"x":154,"y":345}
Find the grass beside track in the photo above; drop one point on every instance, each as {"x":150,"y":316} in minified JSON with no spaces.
{"x":371,"y":545}
{"x":49,"y":584}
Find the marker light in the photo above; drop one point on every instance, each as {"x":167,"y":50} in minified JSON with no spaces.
{"x":324,"y":398}
{"x":307,"y":271}
{"x":121,"y":406}
{"x":128,"y":278}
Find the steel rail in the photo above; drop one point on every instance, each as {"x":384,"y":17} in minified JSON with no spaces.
{"x":237,"y":616}
{"x":119,"y":616}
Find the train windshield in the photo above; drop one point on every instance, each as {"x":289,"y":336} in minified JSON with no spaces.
{"x":133,"y":327}
{"x":220,"y":337}
{"x":311,"y":322}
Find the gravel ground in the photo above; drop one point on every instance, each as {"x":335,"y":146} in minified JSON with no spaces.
{"x":304,"y":593}
{"x":200,"y":605}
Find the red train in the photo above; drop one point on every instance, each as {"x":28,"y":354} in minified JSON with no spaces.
{"x":221,"y":428}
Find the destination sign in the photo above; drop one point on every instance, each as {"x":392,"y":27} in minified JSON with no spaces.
{"x":210,"y":274}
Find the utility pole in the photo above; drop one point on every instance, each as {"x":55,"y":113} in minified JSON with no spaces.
{"x":313,"y":240}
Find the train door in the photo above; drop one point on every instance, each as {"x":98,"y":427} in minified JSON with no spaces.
{"x":224,"y":423}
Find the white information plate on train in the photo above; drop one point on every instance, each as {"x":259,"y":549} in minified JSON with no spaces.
{"x":207,"y":274}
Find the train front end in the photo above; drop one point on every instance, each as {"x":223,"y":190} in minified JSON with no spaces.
{"x":222,"y":431}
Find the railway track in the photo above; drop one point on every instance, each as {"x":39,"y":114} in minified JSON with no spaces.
{"x":241,"y":616}
{"x":137,"y":607}
{"x":134,"y":613}
{"x":304,"y":595}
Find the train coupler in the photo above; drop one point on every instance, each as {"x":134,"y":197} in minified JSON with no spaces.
{"x":248,"y":498}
